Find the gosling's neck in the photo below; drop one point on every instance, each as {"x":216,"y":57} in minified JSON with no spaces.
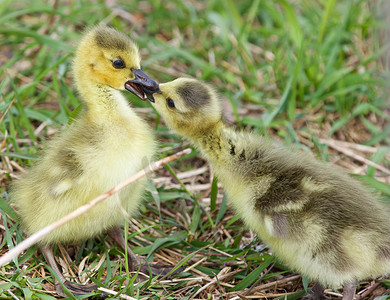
{"x":213,"y":141}
{"x":101,"y":101}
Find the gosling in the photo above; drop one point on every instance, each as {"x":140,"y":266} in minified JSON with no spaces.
{"x":316,"y":219}
{"x":105,"y":145}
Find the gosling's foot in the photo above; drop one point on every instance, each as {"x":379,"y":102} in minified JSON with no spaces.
{"x":158,"y":269}
{"x":135,"y":262}
{"x":311,"y":296}
{"x":316,"y":293}
{"x":349,"y":290}
{"x":75,"y":289}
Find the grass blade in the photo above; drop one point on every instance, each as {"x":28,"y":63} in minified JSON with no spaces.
{"x":253,"y":276}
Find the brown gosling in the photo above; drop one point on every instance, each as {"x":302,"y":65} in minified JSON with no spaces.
{"x":105,"y":145}
{"x":316,"y":219}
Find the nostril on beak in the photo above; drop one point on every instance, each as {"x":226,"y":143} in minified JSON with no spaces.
{"x":143,"y":79}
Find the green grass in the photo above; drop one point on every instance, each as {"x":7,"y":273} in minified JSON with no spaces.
{"x":296,"y":71}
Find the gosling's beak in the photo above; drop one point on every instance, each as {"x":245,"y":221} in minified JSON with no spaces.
{"x":142,"y":85}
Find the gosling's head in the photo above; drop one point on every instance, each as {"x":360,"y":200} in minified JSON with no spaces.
{"x":106,"y":56}
{"x":188,"y":106}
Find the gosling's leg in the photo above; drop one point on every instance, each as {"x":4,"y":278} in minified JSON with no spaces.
{"x":117,"y":236}
{"x":75,"y":289}
{"x":315,"y":293}
{"x":349,"y":290}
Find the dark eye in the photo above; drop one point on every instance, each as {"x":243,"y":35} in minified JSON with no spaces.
{"x":118,"y":64}
{"x":170,"y":103}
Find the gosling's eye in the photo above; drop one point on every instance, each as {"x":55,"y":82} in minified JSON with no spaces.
{"x":118,"y":64}
{"x":170,"y":103}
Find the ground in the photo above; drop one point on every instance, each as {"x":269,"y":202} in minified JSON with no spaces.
{"x":311,"y":75}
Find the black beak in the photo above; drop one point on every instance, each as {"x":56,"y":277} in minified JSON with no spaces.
{"x":142,"y":85}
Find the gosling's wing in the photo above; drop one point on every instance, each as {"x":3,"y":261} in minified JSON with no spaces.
{"x":59,"y":176}
{"x":60,"y":167}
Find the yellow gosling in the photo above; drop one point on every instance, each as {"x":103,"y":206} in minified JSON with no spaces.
{"x":316,"y":219}
{"x":105,"y":145}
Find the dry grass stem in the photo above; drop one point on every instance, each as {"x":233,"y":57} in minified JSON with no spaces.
{"x":358,"y":147}
{"x":111,"y":292}
{"x":358,"y":157}
{"x":275,"y":283}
